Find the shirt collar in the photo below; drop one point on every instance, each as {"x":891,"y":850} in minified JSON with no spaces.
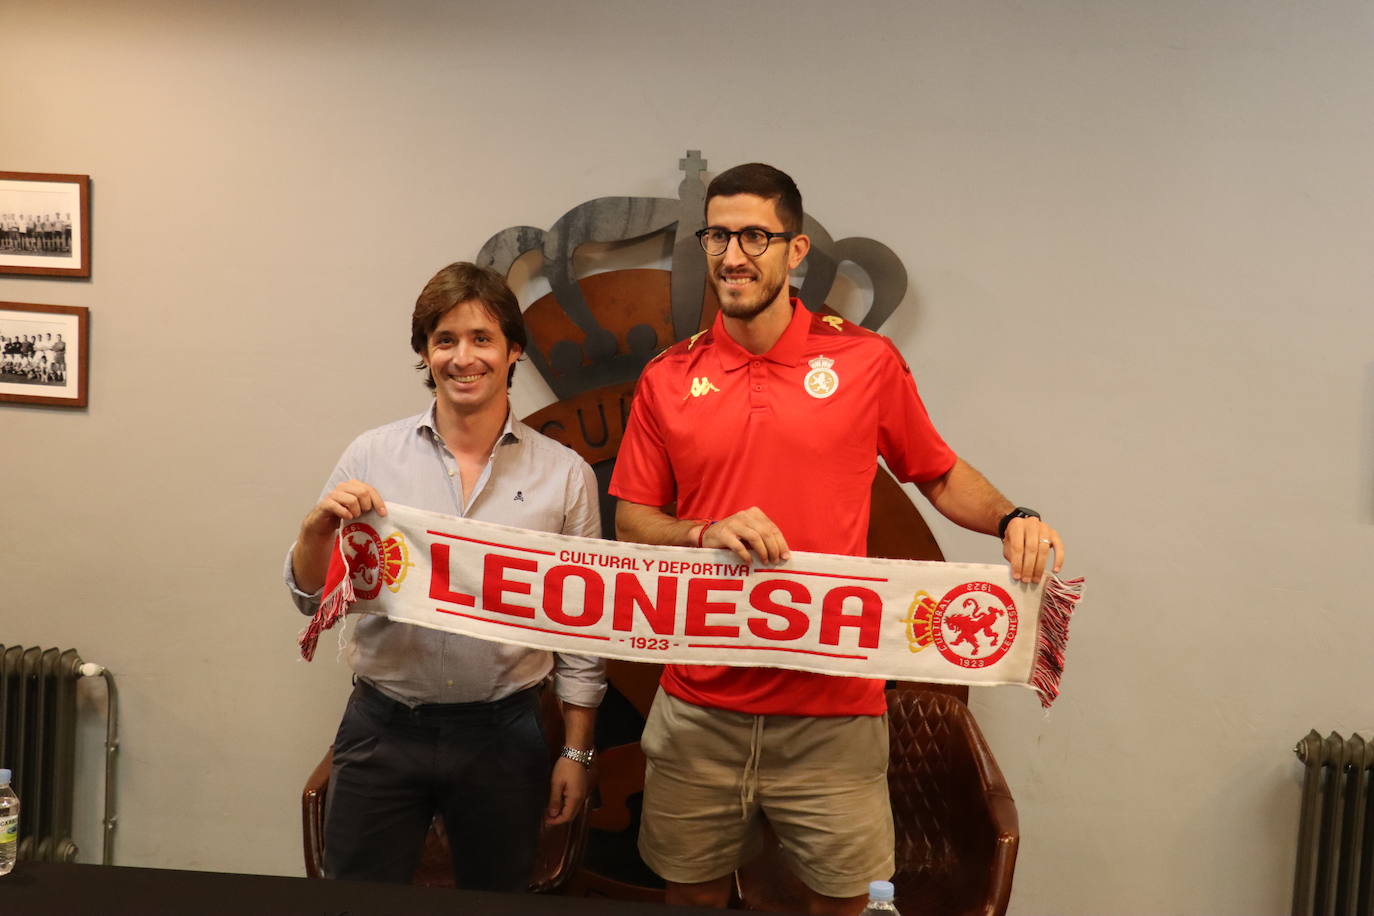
{"x":512,"y":431}
{"x":427,"y":421}
{"x":787,"y":351}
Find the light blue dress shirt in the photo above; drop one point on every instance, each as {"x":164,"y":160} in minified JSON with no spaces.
{"x":530,"y":481}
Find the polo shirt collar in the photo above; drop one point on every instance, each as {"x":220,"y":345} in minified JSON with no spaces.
{"x":788,"y":350}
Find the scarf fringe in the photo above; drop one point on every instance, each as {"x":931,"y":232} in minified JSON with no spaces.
{"x":332,"y":607}
{"x":1056,"y":607}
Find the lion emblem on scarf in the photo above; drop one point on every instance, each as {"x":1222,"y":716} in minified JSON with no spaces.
{"x":966,"y":627}
{"x":974,"y":624}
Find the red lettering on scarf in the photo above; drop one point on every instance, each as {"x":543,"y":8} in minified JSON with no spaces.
{"x":495,"y":584}
{"x":868,"y":620}
{"x":440,"y":585}
{"x":593,"y":596}
{"x":630,"y":594}
{"x":795,"y":619}
{"x":699,"y":607}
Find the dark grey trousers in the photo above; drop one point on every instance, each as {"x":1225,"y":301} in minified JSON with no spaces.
{"x":484,"y":766}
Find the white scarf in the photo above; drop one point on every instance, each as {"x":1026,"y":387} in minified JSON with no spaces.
{"x":956,"y":623}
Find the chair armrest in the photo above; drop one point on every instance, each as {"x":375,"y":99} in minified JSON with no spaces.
{"x":1001,"y":811}
{"x":560,"y":852}
{"x":312,"y":815}
{"x":1001,"y":807}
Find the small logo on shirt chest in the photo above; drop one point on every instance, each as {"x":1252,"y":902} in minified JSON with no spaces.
{"x":821,"y":381}
{"x":519,"y":496}
{"x":701,"y":386}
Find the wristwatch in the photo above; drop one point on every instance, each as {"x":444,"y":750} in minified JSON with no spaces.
{"x":583,"y":757}
{"x":1018,"y":512}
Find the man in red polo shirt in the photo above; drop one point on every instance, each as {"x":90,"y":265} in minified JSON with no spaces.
{"x":764,"y":433}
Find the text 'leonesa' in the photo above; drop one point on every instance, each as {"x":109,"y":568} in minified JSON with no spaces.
{"x":708,"y":602}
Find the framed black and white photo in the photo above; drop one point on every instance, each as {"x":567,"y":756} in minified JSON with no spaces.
{"x":43,"y":354}
{"x":45,"y":224}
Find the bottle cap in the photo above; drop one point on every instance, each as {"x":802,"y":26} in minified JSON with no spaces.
{"x":5,"y":777}
{"x":882,"y":891}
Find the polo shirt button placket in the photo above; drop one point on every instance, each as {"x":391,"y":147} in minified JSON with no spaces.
{"x":756,"y":386}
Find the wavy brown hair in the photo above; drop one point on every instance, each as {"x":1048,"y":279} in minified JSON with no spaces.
{"x":461,"y":282}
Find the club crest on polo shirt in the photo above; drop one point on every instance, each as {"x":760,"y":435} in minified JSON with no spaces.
{"x":821,"y":381}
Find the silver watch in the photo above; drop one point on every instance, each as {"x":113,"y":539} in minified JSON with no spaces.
{"x":583,"y":757}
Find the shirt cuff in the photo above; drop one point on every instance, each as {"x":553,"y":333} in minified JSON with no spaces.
{"x":579,"y":679}
{"x":306,"y":602}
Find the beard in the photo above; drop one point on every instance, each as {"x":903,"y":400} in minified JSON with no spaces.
{"x":746,"y":309}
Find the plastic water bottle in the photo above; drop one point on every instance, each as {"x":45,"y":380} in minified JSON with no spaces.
{"x":9,"y":824}
{"x":880,"y":894}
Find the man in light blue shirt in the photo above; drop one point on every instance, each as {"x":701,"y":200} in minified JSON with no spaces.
{"x":438,"y":721}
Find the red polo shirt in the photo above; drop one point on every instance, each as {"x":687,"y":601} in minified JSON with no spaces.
{"x":796,"y":431}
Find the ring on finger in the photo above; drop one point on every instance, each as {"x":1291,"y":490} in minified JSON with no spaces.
{"x":1044,"y":540}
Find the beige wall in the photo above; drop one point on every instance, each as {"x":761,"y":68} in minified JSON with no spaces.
{"x":1139,"y":239}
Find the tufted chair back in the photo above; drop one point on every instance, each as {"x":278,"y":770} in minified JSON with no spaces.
{"x":956,"y":824}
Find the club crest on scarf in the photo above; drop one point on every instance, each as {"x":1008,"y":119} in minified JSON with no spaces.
{"x":974,"y":625}
{"x":374,"y":562}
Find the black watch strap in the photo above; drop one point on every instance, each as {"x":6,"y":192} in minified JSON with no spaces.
{"x":1018,"y":512}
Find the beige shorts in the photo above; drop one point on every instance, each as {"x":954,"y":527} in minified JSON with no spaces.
{"x":713,"y":776}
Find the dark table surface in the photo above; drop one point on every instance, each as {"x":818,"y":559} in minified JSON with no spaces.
{"x":53,"y":889}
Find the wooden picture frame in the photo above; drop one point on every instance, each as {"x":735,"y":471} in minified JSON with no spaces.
{"x":45,"y":224}
{"x":44,"y":354}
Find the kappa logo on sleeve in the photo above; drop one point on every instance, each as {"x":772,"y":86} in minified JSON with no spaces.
{"x":373,"y":562}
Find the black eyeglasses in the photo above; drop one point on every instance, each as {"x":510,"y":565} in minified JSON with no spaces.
{"x":753,"y":241}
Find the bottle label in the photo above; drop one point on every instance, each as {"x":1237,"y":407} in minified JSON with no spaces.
{"x":9,"y":829}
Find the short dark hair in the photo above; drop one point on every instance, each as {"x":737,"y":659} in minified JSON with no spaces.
{"x":460,"y":282}
{"x":762,"y":181}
